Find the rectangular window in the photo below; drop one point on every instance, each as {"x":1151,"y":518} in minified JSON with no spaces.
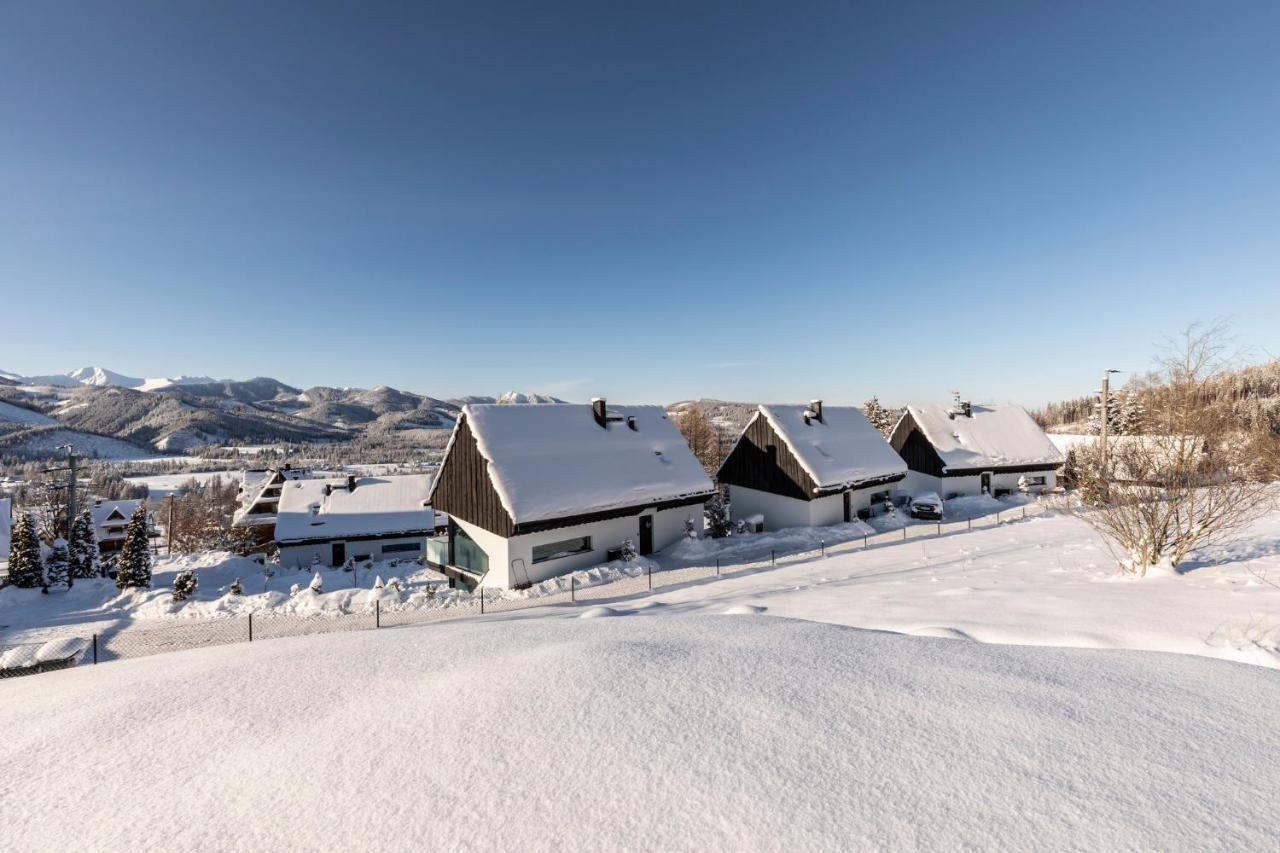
{"x":1035,"y":481}
{"x":557,"y":550}
{"x":402,"y":548}
{"x":466,"y":553}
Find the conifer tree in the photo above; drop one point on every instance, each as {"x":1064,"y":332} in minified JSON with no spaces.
{"x":133,"y":569}
{"x":316,"y":585}
{"x":719,"y":520}
{"x":25,"y":567}
{"x":83,"y":548}
{"x":878,"y":415}
{"x":57,"y":567}
{"x":184,"y":585}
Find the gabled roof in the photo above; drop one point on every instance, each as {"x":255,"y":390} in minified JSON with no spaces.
{"x":378,"y":506}
{"x":554,"y":461}
{"x":839,"y":451}
{"x":102,"y":510}
{"x":994,"y":436}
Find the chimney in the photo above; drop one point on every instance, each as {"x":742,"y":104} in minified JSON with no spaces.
{"x":328,"y":490}
{"x":815,"y":406}
{"x":351,"y":482}
{"x":598,"y":412}
{"x":631,"y":423}
{"x":967,"y":408}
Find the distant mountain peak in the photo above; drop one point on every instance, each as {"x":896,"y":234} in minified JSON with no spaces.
{"x":521,"y":398}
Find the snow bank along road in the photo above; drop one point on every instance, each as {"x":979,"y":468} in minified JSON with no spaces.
{"x":649,"y":731}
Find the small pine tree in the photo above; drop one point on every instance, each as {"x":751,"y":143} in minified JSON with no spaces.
{"x":690,"y":529}
{"x":25,"y":566}
{"x":628,"y":550}
{"x":184,"y":585}
{"x":236,"y":588}
{"x":57,"y":567}
{"x":83,"y":548}
{"x":1070,"y":477}
{"x":377,"y":582}
{"x":133,"y":568}
{"x":316,"y":585}
{"x":717,"y":512}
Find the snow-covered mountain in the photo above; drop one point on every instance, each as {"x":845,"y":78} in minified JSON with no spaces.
{"x":520,"y":398}
{"x":101,"y":377}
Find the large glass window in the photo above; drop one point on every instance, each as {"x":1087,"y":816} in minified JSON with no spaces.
{"x":467,"y":554}
{"x":402,"y":548}
{"x":556,"y":550}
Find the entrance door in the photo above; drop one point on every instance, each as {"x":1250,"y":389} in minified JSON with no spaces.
{"x":646,"y":535}
{"x":339,"y":554}
{"x":848,"y":507}
{"x":986,"y":482}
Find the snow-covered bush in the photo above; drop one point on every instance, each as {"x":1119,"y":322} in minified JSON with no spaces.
{"x":628,"y":551}
{"x":184,"y":585}
{"x":349,"y":565}
{"x":295,"y":589}
{"x":719,"y":521}
{"x":377,"y":582}
{"x":690,"y":530}
{"x":236,"y":588}
{"x":316,"y":585}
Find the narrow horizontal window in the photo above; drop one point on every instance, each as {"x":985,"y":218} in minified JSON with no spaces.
{"x":402,"y":547}
{"x":556,"y":550}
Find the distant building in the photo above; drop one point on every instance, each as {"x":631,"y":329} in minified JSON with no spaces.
{"x":809,"y":466}
{"x":363,"y":518}
{"x":534,"y":491}
{"x":110,"y":521}
{"x":259,"y":500}
{"x":971,"y":449}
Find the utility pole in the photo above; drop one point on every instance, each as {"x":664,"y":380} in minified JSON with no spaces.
{"x":70,"y":486}
{"x":168,"y":530}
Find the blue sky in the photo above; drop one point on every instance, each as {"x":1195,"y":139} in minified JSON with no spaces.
{"x":656,"y":202}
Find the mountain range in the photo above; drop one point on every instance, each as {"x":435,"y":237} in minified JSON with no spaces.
{"x":94,"y":407}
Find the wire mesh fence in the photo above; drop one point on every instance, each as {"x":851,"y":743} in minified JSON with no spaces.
{"x":141,"y":641}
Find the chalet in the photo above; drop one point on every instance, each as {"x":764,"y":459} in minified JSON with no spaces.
{"x":809,"y":466}
{"x":259,"y":499}
{"x":111,"y":520}
{"x":971,"y":449}
{"x":534,"y":491}
{"x":362,"y":518}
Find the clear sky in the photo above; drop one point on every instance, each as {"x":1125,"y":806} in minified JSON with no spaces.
{"x":652,"y":201}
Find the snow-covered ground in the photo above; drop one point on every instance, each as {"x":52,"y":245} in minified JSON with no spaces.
{"x":160,"y":486}
{"x":658,"y":730}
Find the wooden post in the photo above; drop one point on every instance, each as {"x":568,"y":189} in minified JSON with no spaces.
{"x":904,"y":533}
{"x":717,"y":567}
{"x":773,"y":558}
{"x":95,"y":648}
{"x":481,"y":591}
{"x":864,"y":541}
{"x":969,"y":521}
{"x":939,"y":527}
{"x":573,"y":588}
{"x":377,"y":613}
{"x":1024,"y":512}
{"x":648,"y":570}
{"x":823,"y":546}
{"x":251,"y":627}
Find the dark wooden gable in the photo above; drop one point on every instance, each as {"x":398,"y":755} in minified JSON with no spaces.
{"x":463,"y":488}
{"x":914,"y":448}
{"x":753,"y":466}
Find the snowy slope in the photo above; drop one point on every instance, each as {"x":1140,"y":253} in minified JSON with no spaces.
{"x":19,"y":415}
{"x":651,"y":731}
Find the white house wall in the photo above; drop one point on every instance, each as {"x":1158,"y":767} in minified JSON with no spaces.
{"x":781,"y":512}
{"x":511,"y":560}
{"x":971,"y":484}
{"x":302,"y":556}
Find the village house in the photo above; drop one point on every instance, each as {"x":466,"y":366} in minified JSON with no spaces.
{"x":259,"y":500}
{"x":809,"y":466}
{"x":535,"y":491}
{"x":332,"y":520}
{"x":972,"y":449}
{"x":111,"y":521}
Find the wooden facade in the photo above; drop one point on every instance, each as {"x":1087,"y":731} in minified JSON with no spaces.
{"x":763,"y":461}
{"x":464,"y":490}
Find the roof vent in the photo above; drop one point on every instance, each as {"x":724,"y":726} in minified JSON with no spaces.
{"x":815,"y":411}
{"x":351,"y":482}
{"x":598,"y":412}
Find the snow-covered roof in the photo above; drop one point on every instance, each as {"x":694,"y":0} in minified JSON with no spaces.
{"x":841,"y":450}
{"x":553,"y":461}
{"x":327,"y":509}
{"x":993,"y":436}
{"x":101,"y":511}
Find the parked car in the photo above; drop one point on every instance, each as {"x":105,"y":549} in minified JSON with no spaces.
{"x":927,"y":505}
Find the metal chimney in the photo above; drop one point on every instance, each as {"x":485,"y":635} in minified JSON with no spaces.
{"x":598,"y":412}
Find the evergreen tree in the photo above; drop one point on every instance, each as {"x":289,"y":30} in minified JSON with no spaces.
{"x":83,"y":548}
{"x":25,"y":567}
{"x":133,"y":568}
{"x":316,"y":585}
{"x":628,"y":550}
{"x":184,"y":585}
{"x":878,"y":415}
{"x":719,"y":523}
{"x":57,"y":567}
{"x":1070,"y":477}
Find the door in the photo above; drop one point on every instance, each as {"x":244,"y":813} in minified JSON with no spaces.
{"x":848,"y":507}
{"x":339,"y":554}
{"x":986,"y":482}
{"x":646,"y":535}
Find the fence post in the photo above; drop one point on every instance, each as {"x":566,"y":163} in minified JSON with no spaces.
{"x":573,"y":588}
{"x":864,"y":541}
{"x":648,"y":570}
{"x":95,"y":648}
{"x":997,"y":518}
{"x":251,"y":627}
{"x":1024,"y":512}
{"x":773,"y":558}
{"x":481,"y":591}
{"x":377,"y":613}
{"x":969,"y":521}
{"x":939,"y":527}
{"x":823,"y":546}
{"x":717,"y":567}
{"x":904,"y":533}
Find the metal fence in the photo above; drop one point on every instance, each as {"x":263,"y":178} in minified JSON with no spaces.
{"x":133,"y":642}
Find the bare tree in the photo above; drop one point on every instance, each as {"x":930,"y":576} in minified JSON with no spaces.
{"x":702,"y":437}
{"x":1195,"y":478}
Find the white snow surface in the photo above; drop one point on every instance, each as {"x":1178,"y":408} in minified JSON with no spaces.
{"x":843,"y":449}
{"x":996,"y":435}
{"x":19,"y":415}
{"x":551,"y":461}
{"x":378,"y":505}
{"x":646,"y":730}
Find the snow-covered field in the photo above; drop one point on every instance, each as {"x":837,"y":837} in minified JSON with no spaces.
{"x":658,"y":730}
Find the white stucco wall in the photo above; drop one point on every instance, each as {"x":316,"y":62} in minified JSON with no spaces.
{"x":972,"y":484}
{"x":511,"y":560}
{"x":301,"y":556}
{"x":781,"y":512}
